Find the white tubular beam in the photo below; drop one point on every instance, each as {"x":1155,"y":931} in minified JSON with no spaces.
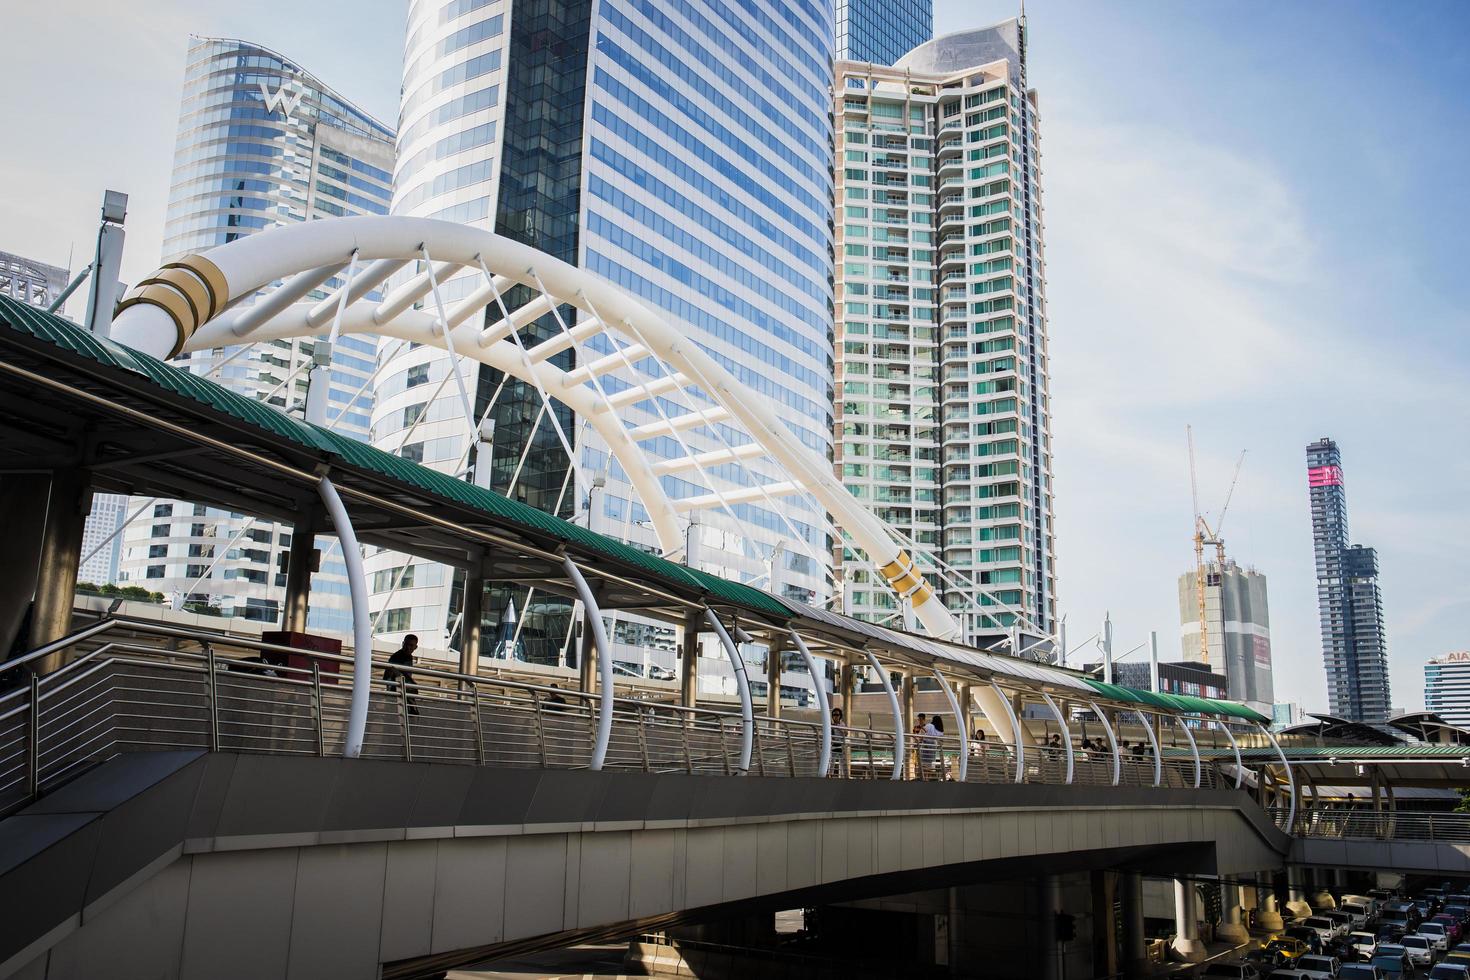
{"x":516,"y":319}
{"x":662,"y":386}
{"x":587,"y":328}
{"x":713,"y":458}
{"x":269,"y":306}
{"x":476,"y":301}
{"x":961,"y":720}
{"x":1239,"y":767}
{"x":362,"y":626}
{"x":824,"y":756}
{"x":1066,"y":733}
{"x":1015,"y":730}
{"x":742,"y":684}
{"x":603,"y":365}
{"x":361,"y":284}
{"x":679,"y":423}
{"x":1112,"y":741}
{"x":1193,"y":748}
{"x":1148,"y":730}
{"x":1290,"y":777}
{"x":898,"y":732}
{"x":593,"y":621}
{"x":743,"y":495}
{"x":412,"y":291}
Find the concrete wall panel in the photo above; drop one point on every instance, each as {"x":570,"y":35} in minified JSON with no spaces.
{"x":407,"y":927}
{"x":140,"y":937}
{"x":607,"y":859}
{"x":651,"y":884}
{"x":239,"y":915}
{"x":740,"y":848}
{"x":469,"y":893}
{"x":803,"y":853}
{"x":535,"y":885}
{"x":704,"y":873}
{"x":336,"y":927}
{"x":862,"y":835}
{"x":771,"y":840}
{"x":834,"y":850}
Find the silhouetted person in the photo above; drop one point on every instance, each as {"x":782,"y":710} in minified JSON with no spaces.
{"x":397,"y":672}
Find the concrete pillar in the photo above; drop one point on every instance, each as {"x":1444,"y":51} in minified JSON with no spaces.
{"x":1321,"y":896}
{"x":471,"y":623}
{"x":1135,"y":950}
{"x":301,"y":561}
{"x":846,"y":683}
{"x":773,"y":677}
{"x":1232,"y":928}
{"x":911,"y":765}
{"x":1053,"y":966}
{"x":67,"y":504}
{"x":1296,"y":894}
{"x":23,"y":499}
{"x":689,"y":662}
{"x":587,"y":659}
{"x":1186,"y":945}
{"x":1268,"y":915}
{"x":967,"y":709}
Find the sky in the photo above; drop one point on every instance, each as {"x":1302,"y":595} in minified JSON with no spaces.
{"x":1256,"y":218}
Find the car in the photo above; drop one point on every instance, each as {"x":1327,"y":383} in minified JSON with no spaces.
{"x":1419,"y":948}
{"x":1363,"y":943}
{"x":1396,"y":916}
{"x":1461,"y":913}
{"x":1324,"y":927}
{"x":1343,"y":919}
{"x":1360,"y":971}
{"x":1452,"y":928}
{"x":1437,"y":934}
{"x":1317,"y":967}
{"x":1311,"y":937}
{"x":1393,"y":961}
{"x":1233,"y":971}
{"x":1356,"y":912}
{"x":1284,"y":949}
{"x":1390,"y":933}
{"x":657,"y":673}
{"x":1449,"y":971}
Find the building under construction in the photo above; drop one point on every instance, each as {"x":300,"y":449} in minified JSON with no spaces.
{"x":1237,"y":627}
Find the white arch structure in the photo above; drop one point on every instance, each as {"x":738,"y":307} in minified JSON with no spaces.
{"x":196,"y":304}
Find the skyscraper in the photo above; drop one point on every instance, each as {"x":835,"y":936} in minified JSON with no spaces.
{"x":261,"y":142}
{"x":680,"y":150}
{"x":943,"y":411}
{"x":1238,"y":623}
{"x":1354,"y":649}
{"x":882,"y":31}
{"x":1447,"y":687}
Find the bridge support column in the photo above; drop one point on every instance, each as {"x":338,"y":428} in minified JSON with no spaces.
{"x":906,"y":712}
{"x":1296,"y":895}
{"x":773,"y":677}
{"x":300,"y":563}
{"x":1268,"y":915}
{"x":1053,"y":965}
{"x":689,"y":662}
{"x":1231,"y":928}
{"x":1321,"y":897}
{"x":1135,"y":951}
{"x":68,"y":501}
{"x":471,"y":623}
{"x":1186,"y":944}
{"x":846,"y":682}
{"x":23,"y":499}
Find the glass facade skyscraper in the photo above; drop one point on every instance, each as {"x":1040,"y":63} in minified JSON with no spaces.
{"x":678,"y":148}
{"x":882,"y":31}
{"x":1447,"y":687}
{"x":1354,"y":647}
{"x":261,"y":142}
{"x":943,"y":421}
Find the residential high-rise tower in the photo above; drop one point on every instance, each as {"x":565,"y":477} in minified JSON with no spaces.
{"x":261,"y":142}
{"x":1354,"y":648}
{"x":1447,"y":687}
{"x":943,"y":409}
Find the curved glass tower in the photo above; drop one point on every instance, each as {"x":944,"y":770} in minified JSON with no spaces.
{"x":679,"y":148}
{"x":261,"y":142}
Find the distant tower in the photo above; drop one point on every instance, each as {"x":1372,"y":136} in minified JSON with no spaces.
{"x":882,"y":31}
{"x":1238,"y":627}
{"x":1354,"y":649}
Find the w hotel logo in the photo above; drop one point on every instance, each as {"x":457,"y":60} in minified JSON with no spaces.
{"x":280,"y":101}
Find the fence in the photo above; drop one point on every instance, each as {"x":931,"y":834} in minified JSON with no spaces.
{"x":141,"y":687}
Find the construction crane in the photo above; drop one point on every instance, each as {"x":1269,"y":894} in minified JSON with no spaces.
{"x":1205,"y":535}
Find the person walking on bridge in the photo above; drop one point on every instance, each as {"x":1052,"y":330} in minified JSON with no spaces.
{"x":397,"y":672}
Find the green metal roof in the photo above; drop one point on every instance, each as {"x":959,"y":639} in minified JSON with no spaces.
{"x":69,"y":336}
{"x":1177,"y":702}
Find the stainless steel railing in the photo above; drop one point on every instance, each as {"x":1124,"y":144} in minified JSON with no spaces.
{"x":135,"y":686}
{"x":1355,"y":823}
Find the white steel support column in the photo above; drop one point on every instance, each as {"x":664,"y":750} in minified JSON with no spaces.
{"x":1153,"y":741}
{"x":362,"y":624}
{"x":1015,"y":730}
{"x":819,"y":683}
{"x":1112,"y":741}
{"x":593,"y":620}
{"x":1224,"y":726}
{"x":1193,"y":747}
{"x":898,"y":731}
{"x":1066,"y":733}
{"x":1290,"y":777}
{"x":742,"y":684}
{"x":961,"y":720}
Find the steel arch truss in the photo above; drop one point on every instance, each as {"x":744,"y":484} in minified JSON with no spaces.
{"x":196,"y":304}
